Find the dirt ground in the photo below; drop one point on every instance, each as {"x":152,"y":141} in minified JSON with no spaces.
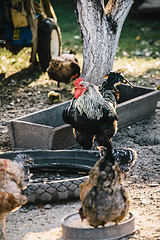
{"x":35,"y":222}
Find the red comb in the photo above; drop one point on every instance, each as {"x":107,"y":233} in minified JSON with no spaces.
{"x":77,"y":81}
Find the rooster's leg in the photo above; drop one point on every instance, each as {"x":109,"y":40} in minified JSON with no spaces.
{"x":58,"y":84}
{"x":84,"y":139}
{"x":2,"y":226}
{"x":104,"y":138}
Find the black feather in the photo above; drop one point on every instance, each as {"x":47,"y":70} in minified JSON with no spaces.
{"x":25,"y":162}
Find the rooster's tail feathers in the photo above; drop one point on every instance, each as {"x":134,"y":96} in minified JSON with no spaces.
{"x":113,"y":79}
{"x":125,"y":158}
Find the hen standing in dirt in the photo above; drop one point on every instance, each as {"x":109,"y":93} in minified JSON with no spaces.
{"x":64,"y":68}
{"x":102,"y":196}
{"x":14,"y":177}
{"x":92,"y":112}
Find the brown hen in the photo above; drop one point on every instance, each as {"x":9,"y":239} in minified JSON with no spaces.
{"x":14,"y":177}
{"x":64,"y":68}
{"x":103,"y":197}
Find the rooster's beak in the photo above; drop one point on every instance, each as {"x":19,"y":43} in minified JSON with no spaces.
{"x":126,"y":81}
{"x":106,"y":77}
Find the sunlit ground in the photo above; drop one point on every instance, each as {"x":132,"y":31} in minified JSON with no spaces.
{"x":54,"y":233}
{"x":138,"y":70}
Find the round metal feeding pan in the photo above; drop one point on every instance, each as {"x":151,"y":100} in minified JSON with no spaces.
{"x":57,"y":175}
{"x":73,"y":228}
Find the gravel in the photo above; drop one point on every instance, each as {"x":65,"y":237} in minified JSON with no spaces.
{"x":44,"y":221}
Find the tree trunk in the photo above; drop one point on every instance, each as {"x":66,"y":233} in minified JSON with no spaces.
{"x":100,"y":30}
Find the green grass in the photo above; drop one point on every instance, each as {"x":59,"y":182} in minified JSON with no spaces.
{"x":138,"y":55}
{"x":9,"y":62}
{"x":140,"y":37}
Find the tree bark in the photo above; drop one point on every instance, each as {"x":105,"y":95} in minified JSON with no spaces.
{"x":100,"y":30}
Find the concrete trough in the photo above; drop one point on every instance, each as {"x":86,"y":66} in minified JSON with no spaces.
{"x":46,"y":129}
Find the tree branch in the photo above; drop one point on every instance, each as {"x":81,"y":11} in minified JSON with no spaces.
{"x":118,"y":8}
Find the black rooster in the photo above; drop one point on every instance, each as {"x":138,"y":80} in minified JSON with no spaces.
{"x":92,"y":112}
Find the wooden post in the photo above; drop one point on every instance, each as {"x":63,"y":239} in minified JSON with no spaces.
{"x":31,"y":13}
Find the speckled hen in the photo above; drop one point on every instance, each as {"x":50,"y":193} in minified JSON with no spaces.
{"x":103,"y":197}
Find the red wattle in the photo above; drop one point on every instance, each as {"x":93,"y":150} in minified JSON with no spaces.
{"x":79,"y":91}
